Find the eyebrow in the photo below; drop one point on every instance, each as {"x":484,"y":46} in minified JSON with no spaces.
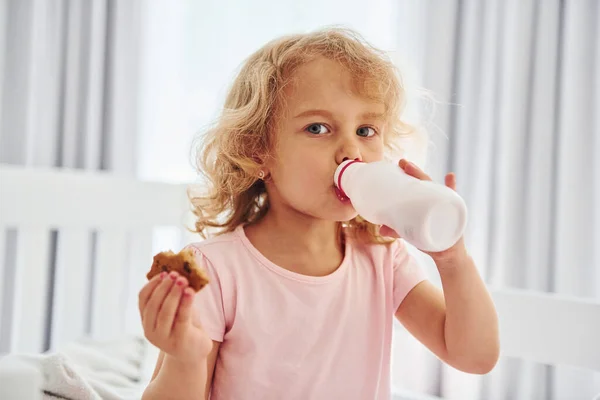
{"x":311,"y":113}
{"x":327,"y":114}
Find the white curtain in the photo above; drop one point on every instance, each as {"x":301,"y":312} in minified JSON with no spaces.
{"x":518,"y":121}
{"x":191,"y":51}
{"x":69,"y":88}
{"x":68,"y":99}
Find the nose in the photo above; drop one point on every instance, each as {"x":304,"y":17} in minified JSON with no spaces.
{"x":347,"y":152}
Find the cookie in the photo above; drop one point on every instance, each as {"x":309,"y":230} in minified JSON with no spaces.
{"x":184,"y":263}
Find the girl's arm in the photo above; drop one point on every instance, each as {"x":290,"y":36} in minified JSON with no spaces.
{"x":173,"y":380}
{"x":459,"y":325}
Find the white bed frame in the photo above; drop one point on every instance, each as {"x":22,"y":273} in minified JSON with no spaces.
{"x":125,"y":213}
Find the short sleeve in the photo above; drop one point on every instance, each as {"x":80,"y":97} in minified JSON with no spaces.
{"x":208,"y":303}
{"x":406,"y":271}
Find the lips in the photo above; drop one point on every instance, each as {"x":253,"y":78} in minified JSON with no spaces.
{"x":341,"y":197}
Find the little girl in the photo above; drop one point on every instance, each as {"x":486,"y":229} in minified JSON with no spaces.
{"x":302,"y":291}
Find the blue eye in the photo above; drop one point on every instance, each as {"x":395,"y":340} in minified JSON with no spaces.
{"x":317,"y":129}
{"x":365,"y":131}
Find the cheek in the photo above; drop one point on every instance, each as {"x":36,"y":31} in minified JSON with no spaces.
{"x":374,"y":152}
{"x":302,"y":173}
{"x":296,"y":158}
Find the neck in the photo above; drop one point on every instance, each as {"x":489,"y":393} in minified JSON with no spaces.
{"x":300,"y":232}
{"x":298,"y":242}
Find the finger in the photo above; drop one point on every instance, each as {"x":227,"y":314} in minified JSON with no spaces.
{"x":412,"y":170}
{"x":152,"y":308}
{"x":147,"y":290}
{"x":166,"y":314}
{"x":184,"y":313}
{"x":451,"y":181}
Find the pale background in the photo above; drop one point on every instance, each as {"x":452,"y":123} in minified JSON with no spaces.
{"x":125,"y":86}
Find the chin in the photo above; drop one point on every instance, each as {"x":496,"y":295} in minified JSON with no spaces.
{"x":340,"y":210}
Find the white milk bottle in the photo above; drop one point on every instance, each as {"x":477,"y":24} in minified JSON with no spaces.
{"x":428,"y":215}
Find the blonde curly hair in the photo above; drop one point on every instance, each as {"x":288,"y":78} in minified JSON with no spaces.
{"x":230,"y":152}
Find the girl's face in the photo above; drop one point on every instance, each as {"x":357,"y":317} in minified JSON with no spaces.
{"x":323,"y":122}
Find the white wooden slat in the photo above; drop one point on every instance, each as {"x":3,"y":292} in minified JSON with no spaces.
{"x":71,"y":286}
{"x":119,"y":202}
{"x":110,"y":284}
{"x":140,"y":261}
{"x":30,"y":291}
{"x":549,"y":329}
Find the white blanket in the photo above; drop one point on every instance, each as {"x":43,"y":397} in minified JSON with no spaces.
{"x":85,"y":370}
{"x":92,"y":370}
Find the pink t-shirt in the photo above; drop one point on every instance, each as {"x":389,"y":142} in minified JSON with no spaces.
{"x":290,"y":336}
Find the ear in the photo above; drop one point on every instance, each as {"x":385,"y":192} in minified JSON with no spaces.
{"x":261,"y":172}
{"x":264,"y":162}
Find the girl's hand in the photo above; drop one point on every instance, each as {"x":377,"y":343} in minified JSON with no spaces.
{"x":165,"y":304}
{"x":450,"y":181}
